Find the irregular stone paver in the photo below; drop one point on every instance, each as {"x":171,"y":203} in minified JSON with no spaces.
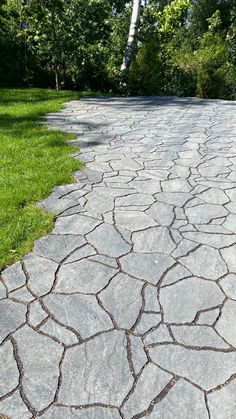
{"x":150,"y":383}
{"x":8,"y":369}
{"x":81,"y":370}
{"x":182,"y":399}
{"x":130,"y":302}
{"x":40,"y":357}
{"x":216,"y":402}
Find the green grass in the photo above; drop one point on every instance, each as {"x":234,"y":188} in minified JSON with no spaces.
{"x":33,"y":160}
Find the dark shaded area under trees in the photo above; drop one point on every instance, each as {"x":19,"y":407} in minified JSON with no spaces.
{"x":183,"y":47}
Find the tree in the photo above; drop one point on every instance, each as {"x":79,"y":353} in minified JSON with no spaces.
{"x":129,"y":52}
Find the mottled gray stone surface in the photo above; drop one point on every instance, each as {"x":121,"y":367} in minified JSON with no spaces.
{"x":127,"y":309}
{"x":13,"y":315}
{"x":8,"y":369}
{"x":150,"y":383}
{"x":14,"y":408}
{"x":111,"y":374}
{"x":40,"y":357}
{"x":183,"y":401}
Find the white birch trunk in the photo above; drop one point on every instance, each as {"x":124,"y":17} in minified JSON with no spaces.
{"x":129,"y":52}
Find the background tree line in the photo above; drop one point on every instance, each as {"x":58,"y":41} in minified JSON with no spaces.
{"x":183,"y":47}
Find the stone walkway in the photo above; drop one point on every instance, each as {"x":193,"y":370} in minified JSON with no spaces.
{"x":128,"y":309}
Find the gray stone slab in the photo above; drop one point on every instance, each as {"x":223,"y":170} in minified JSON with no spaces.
{"x":79,"y":312}
{"x":150,"y":383}
{"x":57,"y":247}
{"x":13,"y":407}
{"x":222,"y":402}
{"x":138,"y":355}
{"x":58,"y":332}
{"x":97,"y":412}
{"x":225,"y":326}
{"x":203,"y":214}
{"x":81,"y":253}
{"x":13,"y":315}
{"x":84,"y":276}
{"x":228,"y":283}
{"x":111,"y":374}
{"x":229,"y":256}
{"x":36,"y":314}
{"x":159,"y":335}
{"x":198,"y":336}
{"x":41,"y":272}
{"x":14,"y":276}
{"x":8,"y":369}
{"x":208,"y":317}
{"x":40,"y":357}
{"x":146,"y":266}
{"x":205,"y":262}
{"x":133,"y":220}
{"x":122,"y":298}
{"x":208,"y":369}
{"x":153,"y":240}
{"x":108,"y":241}
{"x":182,"y":401}
{"x":182,"y":301}
{"x":162,"y":213}
{"x":75,"y":224}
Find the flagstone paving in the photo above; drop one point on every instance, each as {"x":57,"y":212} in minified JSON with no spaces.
{"x":128,"y":309}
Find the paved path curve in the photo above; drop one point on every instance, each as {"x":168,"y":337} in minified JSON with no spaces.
{"x":128,"y":309}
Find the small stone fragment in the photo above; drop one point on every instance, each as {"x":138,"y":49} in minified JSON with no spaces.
{"x":60,"y":333}
{"x":139,"y":357}
{"x":199,"y":336}
{"x":159,"y":335}
{"x":225,"y":326}
{"x":147,"y":322}
{"x":153,"y":240}
{"x":36,"y":314}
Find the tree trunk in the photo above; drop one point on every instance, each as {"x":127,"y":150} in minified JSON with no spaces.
{"x":129,"y":52}
{"x":56,"y":77}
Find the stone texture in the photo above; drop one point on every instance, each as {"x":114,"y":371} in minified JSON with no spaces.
{"x":228,"y":283}
{"x":40,"y":357}
{"x":182,"y":301}
{"x":208,"y":369}
{"x":108,"y":241}
{"x":36,"y":314}
{"x":80,"y":312}
{"x":8,"y":370}
{"x":159,"y":335}
{"x":153,"y":240}
{"x":198,"y":336}
{"x":14,"y":277}
{"x":147,"y":322}
{"x":13,"y":407}
{"x":75,"y":224}
{"x":229,"y":256}
{"x":84,"y":276}
{"x":205,"y":262}
{"x":226,"y":323}
{"x":62,"y":335}
{"x":133,"y":220}
{"x":41,"y":273}
{"x":13,"y":315}
{"x":148,"y":267}
{"x":162,"y":213}
{"x":138,"y":355}
{"x":222,"y":402}
{"x":183,"y":401}
{"x":150,"y":383}
{"x":57,"y":247}
{"x":122,"y":298}
{"x":111,"y":374}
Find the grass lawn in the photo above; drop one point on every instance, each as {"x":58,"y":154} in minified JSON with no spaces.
{"x":33,"y":160}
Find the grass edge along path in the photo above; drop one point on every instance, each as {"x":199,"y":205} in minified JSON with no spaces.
{"x":33,"y":160}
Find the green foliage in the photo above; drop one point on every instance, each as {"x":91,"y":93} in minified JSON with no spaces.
{"x":184,"y":47}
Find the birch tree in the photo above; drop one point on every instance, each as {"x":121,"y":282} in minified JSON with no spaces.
{"x":130,"y":48}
